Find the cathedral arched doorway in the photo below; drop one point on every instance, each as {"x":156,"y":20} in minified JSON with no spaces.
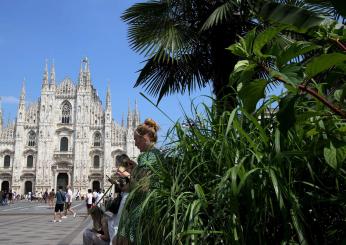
{"x":5,"y":186}
{"x":27,"y":187}
{"x":62,"y":180}
{"x":96,"y":185}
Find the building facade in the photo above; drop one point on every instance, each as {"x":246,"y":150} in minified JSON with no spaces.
{"x":66,"y":138}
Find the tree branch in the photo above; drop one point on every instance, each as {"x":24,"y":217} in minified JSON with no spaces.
{"x":327,"y":103}
{"x":340,"y":44}
{"x":313,"y":93}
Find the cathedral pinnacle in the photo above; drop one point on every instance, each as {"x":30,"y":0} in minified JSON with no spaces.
{"x":52,"y":75}
{"x":80,"y":78}
{"x":45,"y":75}
{"x":129,"y":117}
{"x":108,"y":97}
{"x":86,"y":71}
{"x":22,"y":96}
{"x":122,"y":120}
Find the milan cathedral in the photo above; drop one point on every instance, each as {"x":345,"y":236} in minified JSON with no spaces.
{"x":66,"y":138}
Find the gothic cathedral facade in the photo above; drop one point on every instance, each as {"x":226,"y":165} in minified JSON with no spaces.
{"x":66,"y":138}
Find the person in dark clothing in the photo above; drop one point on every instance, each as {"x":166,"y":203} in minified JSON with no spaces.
{"x":45,"y":196}
{"x":59,"y":204}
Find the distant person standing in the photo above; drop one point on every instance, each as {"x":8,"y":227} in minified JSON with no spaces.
{"x":51,"y":196}
{"x":45,"y":196}
{"x":68,"y":202}
{"x":77,"y":195}
{"x":59,"y":204}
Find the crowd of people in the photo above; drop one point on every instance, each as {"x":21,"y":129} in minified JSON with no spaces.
{"x":119,"y":224}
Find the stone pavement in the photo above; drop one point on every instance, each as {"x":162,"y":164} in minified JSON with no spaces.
{"x":31,"y":223}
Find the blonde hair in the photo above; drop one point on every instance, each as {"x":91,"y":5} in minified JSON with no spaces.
{"x":150,"y":128}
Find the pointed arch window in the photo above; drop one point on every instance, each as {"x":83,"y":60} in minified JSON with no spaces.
{"x":96,"y":161}
{"x":64,"y":144}
{"x":66,"y":110}
{"x":97,"y":139}
{"x":7,"y":161}
{"x":29,"y":161}
{"x":31,"y":138}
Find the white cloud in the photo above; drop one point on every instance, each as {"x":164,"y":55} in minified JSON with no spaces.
{"x":9,"y":100}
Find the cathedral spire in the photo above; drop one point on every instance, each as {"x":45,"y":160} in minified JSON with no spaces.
{"x":87,"y":71}
{"x":122,"y":120}
{"x":80,"y":77}
{"x":108,"y":98}
{"x":52,"y":75}
{"x":45,"y":76}
{"x":129,"y":116}
{"x":22,"y":96}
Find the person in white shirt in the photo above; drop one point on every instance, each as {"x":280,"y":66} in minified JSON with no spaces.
{"x":99,"y":199}
{"x":89,"y":200}
{"x":95,"y":196}
{"x":68,"y":203}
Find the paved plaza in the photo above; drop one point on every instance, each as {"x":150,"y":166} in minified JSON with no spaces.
{"x":31,"y":223}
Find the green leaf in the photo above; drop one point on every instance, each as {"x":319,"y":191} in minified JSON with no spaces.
{"x":293,"y":73}
{"x":294,"y":50}
{"x":252,"y":92}
{"x":298,"y":17}
{"x":341,"y":155}
{"x":201,"y":195}
{"x":276,"y":187}
{"x":239,"y":48}
{"x":338,"y":95}
{"x":243,"y":73}
{"x":264,"y":38}
{"x":220,"y":14}
{"x":286,"y":114}
{"x":243,"y":47}
{"x":323,"y":62}
{"x":330,"y":156}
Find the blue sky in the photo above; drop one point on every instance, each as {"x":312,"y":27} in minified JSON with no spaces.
{"x":67,"y":31}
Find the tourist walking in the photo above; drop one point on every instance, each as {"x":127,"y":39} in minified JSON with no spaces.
{"x":89,"y":200}
{"x":68,"y":203}
{"x":59,"y":204}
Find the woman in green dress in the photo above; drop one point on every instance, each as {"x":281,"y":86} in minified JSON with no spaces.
{"x":145,"y":137}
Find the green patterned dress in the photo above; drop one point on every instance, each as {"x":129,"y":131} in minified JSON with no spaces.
{"x":139,"y":186}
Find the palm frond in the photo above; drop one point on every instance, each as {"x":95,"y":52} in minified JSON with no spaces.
{"x":161,"y":77}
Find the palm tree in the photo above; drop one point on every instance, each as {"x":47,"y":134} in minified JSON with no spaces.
{"x":185,"y":41}
{"x":182,"y":55}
